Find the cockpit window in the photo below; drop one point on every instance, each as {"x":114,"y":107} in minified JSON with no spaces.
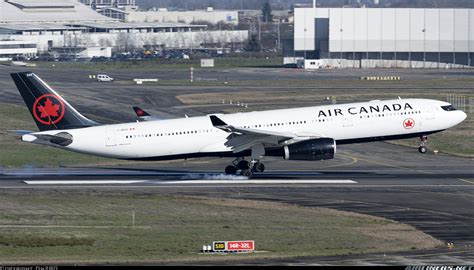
{"x":448,"y":108}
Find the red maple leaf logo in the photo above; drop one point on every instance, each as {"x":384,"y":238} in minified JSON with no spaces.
{"x":408,"y":123}
{"x":52,"y":109}
{"x":48,"y":110}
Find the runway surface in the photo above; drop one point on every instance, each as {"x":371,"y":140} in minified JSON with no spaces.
{"x":434,"y":193}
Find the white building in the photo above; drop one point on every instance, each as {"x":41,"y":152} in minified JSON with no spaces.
{"x":163,"y":15}
{"x":109,"y":3}
{"x":386,"y":36}
{"x":81,"y":52}
{"x":11,"y":48}
{"x":69,"y":23}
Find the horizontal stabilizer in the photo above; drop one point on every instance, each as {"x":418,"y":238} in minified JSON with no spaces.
{"x":61,"y":138}
{"x":20,"y":132}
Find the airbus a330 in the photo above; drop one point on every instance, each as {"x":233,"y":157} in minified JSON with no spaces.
{"x":308,"y":133}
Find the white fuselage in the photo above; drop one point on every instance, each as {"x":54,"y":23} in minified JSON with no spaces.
{"x":197,"y":135}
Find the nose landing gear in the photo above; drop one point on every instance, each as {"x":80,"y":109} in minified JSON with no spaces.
{"x":245,"y":167}
{"x":423,"y":149}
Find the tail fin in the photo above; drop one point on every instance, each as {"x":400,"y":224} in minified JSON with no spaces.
{"x":49,"y":110}
{"x":140,"y":112}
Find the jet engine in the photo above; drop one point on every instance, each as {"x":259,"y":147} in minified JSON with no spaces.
{"x":315,"y":149}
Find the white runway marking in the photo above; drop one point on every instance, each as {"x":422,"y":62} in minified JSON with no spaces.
{"x":83,"y":182}
{"x":256,"y":181}
{"x":247,"y":181}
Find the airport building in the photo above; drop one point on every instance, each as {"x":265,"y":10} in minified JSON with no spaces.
{"x":385,"y":37}
{"x":163,"y":15}
{"x":109,"y":3}
{"x":9,"y":49}
{"x":68,"y":23}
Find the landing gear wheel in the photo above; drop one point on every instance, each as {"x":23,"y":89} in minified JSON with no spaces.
{"x":422,"y":149}
{"x":247,"y":173}
{"x":230,"y":169}
{"x":258,"y":167}
{"x":243,"y":165}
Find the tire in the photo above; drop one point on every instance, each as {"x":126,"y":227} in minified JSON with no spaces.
{"x":422,"y":149}
{"x":230,"y":169}
{"x":258,"y":167}
{"x":243,"y":165}
{"x":247,"y":173}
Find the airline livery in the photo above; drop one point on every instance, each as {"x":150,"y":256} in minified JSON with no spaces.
{"x":309,"y":133}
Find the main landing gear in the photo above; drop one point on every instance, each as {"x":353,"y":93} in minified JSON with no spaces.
{"x":245,"y":167}
{"x":423,"y":149}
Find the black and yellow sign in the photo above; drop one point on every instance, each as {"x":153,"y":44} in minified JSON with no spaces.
{"x":218,"y":246}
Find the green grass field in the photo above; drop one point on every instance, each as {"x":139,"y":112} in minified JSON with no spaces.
{"x":159,"y":64}
{"x":49,"y":227}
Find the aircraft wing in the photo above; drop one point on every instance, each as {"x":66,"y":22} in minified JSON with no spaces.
{"x":244,"y":138}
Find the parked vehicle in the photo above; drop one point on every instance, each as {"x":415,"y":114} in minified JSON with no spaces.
{"x":104,"y":78}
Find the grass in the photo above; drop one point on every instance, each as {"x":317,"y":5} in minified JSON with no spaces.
{"x":160,"y":64}
{"x":173,"y":229}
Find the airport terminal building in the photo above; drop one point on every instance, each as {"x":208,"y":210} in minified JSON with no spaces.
{"x":68,"y":23}
{"x":385,"y":37}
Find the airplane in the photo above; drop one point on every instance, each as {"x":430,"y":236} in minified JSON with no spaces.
{"x":142,"y":115}
{"x":307,"y":133}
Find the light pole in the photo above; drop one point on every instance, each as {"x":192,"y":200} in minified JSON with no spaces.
{"x":305,"y":42}
{"x":424,"y":47}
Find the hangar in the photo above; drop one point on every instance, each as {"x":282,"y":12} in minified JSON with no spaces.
{"x":386,"y":37}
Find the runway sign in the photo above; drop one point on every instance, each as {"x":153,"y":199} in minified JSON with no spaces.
{"x":233,"y":246}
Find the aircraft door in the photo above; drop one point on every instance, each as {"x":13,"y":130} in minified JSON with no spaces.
{"x":430,"y":113}
{"x":110,"y":137}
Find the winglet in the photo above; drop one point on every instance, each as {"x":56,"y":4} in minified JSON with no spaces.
{"x":216,"y":121}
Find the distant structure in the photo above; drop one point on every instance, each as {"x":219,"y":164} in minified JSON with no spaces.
{"x":9,"y":49}
{"x":99,"y":4}
{"x":163,"y":15}
{"x":115,"y":9}
{"x":68,"y":23}
{"x":385,"y":37}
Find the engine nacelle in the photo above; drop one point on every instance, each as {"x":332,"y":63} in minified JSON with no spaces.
{"x":316,"y":149}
